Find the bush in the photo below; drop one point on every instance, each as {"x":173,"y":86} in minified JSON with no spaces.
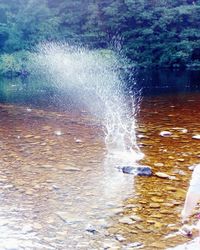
{"x":15,"y":64}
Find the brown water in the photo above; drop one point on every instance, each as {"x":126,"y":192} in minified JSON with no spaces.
{"x":60,"y":189}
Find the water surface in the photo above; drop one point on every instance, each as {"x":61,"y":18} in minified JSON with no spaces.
{"x":60,"y":189}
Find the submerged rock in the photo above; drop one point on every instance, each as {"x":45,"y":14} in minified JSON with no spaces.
{"x":140,"y":171}
{"x":165,"y":133}
{"x":197,"y":137}
{"x":128,"y":170}
{"x":144,"y":171}
{"x":91,"y":229}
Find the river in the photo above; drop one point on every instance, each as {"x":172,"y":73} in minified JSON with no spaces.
{"x":59,"y":188}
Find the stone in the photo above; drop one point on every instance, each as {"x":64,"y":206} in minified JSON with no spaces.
{"x":144,"y":171}
{"x":181,"y":159}
{"x":140,"y":171}
{"x":154,"y":205}
{"x":91,"y":229}
{"x":192,"y":167}
{"x":134,"y":245}
{"x":197,"y":137}
{"x":119,"y":237}
{"x":158,"y":164}
{"x":165,"y":133}
{"x":162,"y":175}
{"x":157,"y":200}
{"x":135,"y":218}
{"x":58,"y":133}
{"x":129,"y":170}
{"x":126,"y":220}
{"x":78,"y":141}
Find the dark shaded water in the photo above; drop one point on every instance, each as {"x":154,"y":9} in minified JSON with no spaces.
{"x":57,"y":181}
{"x":155,"y":82}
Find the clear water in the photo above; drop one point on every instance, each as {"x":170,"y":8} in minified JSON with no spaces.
{"x":45,"y":176}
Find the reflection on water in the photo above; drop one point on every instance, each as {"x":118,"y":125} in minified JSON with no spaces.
{"x":155,"y":82}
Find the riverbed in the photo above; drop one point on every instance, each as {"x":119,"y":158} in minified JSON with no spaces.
{"x":60,"y":189}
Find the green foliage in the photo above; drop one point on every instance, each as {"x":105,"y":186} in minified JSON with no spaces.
{"x":152,"y":33}
{"x":14,"y":64}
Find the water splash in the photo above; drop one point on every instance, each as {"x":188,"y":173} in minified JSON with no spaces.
{"x":93,"y":79}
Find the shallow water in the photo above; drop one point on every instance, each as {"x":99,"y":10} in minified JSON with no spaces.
{"x":60,"y":189}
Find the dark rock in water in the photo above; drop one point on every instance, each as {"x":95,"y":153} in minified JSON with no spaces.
{"x":140,"y":171}
{"x":128,"y":170}
{"x":144,"y":171}
{"x":91,"y":229}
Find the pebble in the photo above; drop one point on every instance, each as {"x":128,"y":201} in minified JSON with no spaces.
{"x":181,"y":159}
{"x":163,"y":175}
{"x":135,"y":218}
{"x":78,"y":141}
{"x":71,"y":169}
{"x":91,"y":229}
{"x":154,"y":205}
{"x":158,"y":164}
{"x":173,"y":189}
{"x":165,"y":133}
{"x":135,"y":245}
{"x":119,"y":237}
{"x":126,"y":220}
{"x":192,"y":167}
{"x":157,"y":200}
{"x":58,"y":133}
{"x":197,"y":137}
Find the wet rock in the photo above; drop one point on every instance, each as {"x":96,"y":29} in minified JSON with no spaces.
{"x":140,"y":136}
{"x":78,"y":141}
{"x":140,"y":171}
{"x":157,"y":200}
{"x":55,"y":187}
{"x":154,"y":205}
{"x":71,"y":169}
{"x":197,"y":137}
{"x":136,"y":218}
{"x":181,"y":160}
{"x":58,"y":133}
{"x":165,"y":133}
{"x":119,"y":237}
{"x":91,"y":229}
{"x":163,"y":175}
{"x":172,"y":189}
{"x":158,"y":164}
{"x":129,"y":170}
{"x":135,"y":245}
{"x":192,"y":167}
{"x":126,"y":220}
{"x":144,"y":171}
{"x":28,"y":110}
